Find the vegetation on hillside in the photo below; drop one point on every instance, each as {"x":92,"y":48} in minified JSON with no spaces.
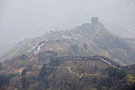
{"x":56,"y":76}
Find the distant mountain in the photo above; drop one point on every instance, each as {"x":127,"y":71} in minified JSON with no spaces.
{"x":119,"y":17}
{"x":85,"y":40}
{"x":6,"y":46}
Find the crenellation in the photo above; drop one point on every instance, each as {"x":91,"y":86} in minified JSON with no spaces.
{"x":48,"y":55}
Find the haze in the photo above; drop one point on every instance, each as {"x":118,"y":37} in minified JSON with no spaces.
{"x":20,"y":19}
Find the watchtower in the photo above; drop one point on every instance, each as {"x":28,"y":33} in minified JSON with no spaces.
{"x":94,"y":22}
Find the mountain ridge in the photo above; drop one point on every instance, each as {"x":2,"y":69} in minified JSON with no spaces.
{"x":87,"y":39}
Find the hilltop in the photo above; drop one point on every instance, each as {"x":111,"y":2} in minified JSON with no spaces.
{"x":85,"y":40}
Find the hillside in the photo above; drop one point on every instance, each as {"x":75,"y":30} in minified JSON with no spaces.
{"x":28,"y":72}
{"x":130,"y":41}
{"x":86,"y":57}
{"x":85,"y":40}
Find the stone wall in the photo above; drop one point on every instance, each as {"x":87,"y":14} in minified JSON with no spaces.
{"x":94,"y":22}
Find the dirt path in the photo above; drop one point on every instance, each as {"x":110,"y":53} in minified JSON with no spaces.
{"x":81,"y":75}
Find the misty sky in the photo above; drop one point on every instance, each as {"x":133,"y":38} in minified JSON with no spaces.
{"x":20,"y":19}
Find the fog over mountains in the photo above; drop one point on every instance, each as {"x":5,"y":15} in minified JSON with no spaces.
{"x":20,"y":19}
{"x":67,"y":44}
{"x":86,"y":57}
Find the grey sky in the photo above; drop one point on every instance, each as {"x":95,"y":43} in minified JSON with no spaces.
{"x":20,"y":19}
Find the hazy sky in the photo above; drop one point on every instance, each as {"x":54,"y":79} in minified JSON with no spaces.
{"x":20,"y":19}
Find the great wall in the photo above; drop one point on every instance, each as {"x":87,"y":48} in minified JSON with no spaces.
{"x":49,"y":55}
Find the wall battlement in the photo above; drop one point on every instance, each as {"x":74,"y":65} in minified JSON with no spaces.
{"x":87,"y":58}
